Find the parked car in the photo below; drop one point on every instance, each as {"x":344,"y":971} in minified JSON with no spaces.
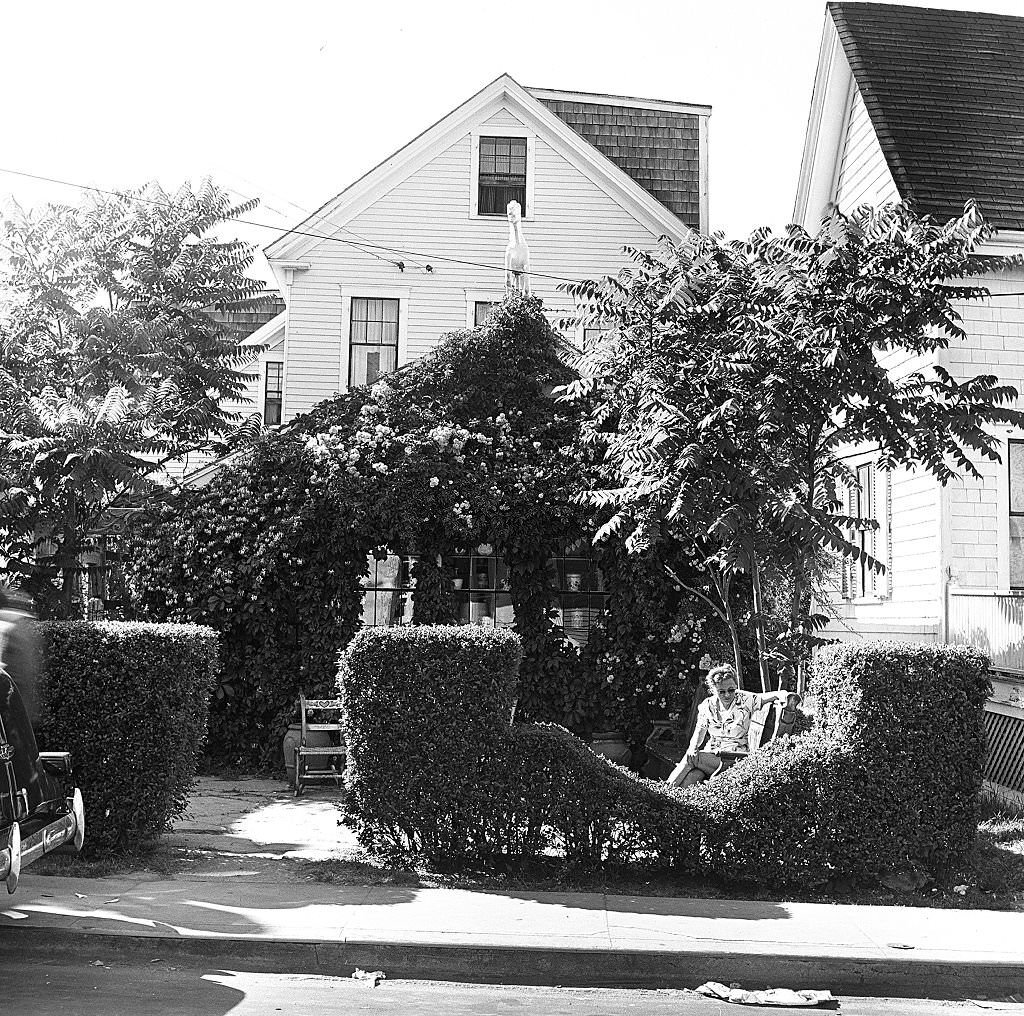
{"x":41,"y":808}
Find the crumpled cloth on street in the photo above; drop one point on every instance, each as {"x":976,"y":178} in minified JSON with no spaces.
{"x":770,"y":996}
{"x":371,"y":977}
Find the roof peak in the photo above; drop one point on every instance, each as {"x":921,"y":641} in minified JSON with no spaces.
{"x":603,"y":99}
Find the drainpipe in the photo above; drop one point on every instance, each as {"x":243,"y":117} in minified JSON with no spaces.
{"x":945,"y":603}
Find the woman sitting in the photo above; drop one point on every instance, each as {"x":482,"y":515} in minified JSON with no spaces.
{"x":725,"y":715}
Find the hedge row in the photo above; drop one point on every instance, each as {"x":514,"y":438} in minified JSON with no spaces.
{"x":887,"y":780}
{"x":129,"y":701}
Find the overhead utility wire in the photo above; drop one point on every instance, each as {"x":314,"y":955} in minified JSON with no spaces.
{"x":365,"y":247}
{"x":294,"y":232}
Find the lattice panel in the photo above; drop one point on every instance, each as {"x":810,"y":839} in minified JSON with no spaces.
{"x":1005,"y":763}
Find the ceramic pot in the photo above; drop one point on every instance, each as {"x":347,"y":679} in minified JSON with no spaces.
{"x":315,"y":739}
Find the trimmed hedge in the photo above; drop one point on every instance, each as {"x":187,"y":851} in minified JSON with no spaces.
{"x":886,"y":780}
{"x":427,"y":709}
{"x":910,"y":718}
{"x":129,"y":701}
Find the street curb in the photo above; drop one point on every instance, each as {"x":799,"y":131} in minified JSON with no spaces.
{"x":590,"y":968}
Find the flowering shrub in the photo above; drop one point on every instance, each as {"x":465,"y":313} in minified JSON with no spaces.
{"x":264,"y":557}
{"x":465,"y":445}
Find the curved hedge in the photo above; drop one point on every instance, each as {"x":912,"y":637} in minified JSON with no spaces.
{"x":887,"y":779}
{"x":129,"y":701}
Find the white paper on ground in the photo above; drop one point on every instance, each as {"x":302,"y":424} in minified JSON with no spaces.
{"x":770,"y":996}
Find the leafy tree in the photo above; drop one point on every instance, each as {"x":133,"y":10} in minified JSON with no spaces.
{"x":112,"y":364}
{"x":732,"y":374}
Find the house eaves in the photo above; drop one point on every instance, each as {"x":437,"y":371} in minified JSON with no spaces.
{"x":945,"y":93}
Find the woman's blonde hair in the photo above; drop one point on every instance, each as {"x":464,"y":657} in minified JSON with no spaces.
{"x":719,"y":674}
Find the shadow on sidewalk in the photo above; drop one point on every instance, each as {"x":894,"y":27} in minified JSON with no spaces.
{"x":660,"y":906}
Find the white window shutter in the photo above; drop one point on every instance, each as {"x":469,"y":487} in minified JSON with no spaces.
{"x":883,"y":512}
{"x":846,"y":565}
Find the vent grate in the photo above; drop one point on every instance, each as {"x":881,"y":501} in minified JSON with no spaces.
{"x":1005,"y":763}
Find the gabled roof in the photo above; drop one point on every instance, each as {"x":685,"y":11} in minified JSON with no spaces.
{"x":572,"y":143}
{"x":656,"y":143}
{"x":945,"y":93}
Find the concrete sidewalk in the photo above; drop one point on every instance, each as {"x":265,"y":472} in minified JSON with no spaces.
{"x":230,"y":918}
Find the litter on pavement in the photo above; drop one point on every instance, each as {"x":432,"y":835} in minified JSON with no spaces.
{"x":770,"y":996}
{"x":372,"y":977}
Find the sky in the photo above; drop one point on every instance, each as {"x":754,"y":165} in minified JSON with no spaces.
{"x":292,"y":102}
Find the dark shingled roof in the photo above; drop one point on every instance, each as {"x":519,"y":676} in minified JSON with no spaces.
{"x":945,"y":93}
{"x":658,"y":148}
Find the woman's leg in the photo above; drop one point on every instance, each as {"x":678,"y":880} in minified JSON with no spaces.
{"x":704,"y":764}
{"x":681,"y":772}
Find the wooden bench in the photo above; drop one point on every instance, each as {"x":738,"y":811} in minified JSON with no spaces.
{"x":319,"y":759}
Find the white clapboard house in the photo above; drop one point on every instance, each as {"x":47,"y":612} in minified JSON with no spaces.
{"x":928,"y":106}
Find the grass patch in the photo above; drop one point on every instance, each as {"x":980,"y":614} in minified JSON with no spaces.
{"x":158,"y":858}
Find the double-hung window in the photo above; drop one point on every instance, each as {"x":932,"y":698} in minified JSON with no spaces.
{"x":502,"y":175}
{"x":373,"y":339}
{"x":273,"y":393}
{"x":482,"y":310}
{"x":863,"y":505}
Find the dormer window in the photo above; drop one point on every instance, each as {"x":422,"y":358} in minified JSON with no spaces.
{"x":502,"y":175}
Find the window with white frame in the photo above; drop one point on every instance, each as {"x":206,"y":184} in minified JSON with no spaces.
{"x":1015,"y":465}
{"x":868,"y":500}
{"x":273,"y":393}
{"x":482,"y":310}
{"x":501,"y":174}
{"x":373,"y":339}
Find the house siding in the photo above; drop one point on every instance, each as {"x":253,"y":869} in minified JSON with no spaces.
{"x":863,"y":176}
{"x":576,"y":231}
{"x":995,"y":345}
{"x":253,"y":392}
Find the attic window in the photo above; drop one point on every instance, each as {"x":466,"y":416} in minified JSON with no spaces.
{"x":502,"y":175}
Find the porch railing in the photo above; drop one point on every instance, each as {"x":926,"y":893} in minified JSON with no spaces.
{"x":994,"y":622}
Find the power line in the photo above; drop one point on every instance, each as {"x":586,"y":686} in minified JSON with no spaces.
{"x":366,"y":247}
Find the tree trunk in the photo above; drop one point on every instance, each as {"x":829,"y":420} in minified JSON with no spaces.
{"x":762,"y":652}
{"x":723,"y":583}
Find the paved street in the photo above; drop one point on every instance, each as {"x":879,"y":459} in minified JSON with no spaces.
{"x":95,"y":987}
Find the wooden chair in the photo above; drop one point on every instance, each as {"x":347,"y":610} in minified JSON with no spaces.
{"x":319,"y":758}
{"x":784,"y":719}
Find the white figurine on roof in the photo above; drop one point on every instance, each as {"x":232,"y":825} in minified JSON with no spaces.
{"x":517,"y":254}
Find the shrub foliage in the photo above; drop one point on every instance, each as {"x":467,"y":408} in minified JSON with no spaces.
{"x":910,"y":719}
{"x":129,"y":701}
{"x":427,"y":710}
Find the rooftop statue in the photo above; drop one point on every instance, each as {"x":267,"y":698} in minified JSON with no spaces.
{"x":517,"y":254}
